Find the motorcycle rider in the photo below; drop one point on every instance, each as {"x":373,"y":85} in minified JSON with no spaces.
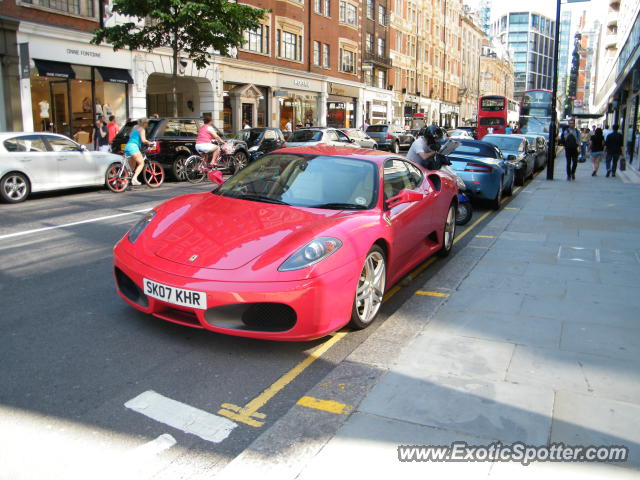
{"x":423,"y":150}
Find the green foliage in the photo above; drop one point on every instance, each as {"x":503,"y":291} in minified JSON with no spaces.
{"x":187,"y":26}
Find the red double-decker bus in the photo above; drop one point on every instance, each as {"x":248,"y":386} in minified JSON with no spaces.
{"x":492,"y":114}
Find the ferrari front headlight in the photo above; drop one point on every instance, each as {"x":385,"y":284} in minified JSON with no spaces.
{"x":312,"y":253}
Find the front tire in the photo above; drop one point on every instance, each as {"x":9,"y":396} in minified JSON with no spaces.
{"x":464,"y":213}
{"x":195,"y":169}
{"x":241,"y":160}
{"x":153,"y":174}
{"x":14,"y":188}
{"x":448,"y":232}
{"x":115,"y":178}
{"x":177,"y":169}
{"x":370,"y":290}
{"x":395,"y":148}
{"x":509,"y":190}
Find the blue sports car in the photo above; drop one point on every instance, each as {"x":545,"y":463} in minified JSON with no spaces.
{"x":484,"y":170}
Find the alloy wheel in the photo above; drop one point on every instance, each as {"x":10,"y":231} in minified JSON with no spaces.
{"x":370,"y":291}
{"x":15,"y":188}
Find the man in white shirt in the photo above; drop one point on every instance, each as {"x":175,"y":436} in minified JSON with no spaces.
{"x":420,"y":152}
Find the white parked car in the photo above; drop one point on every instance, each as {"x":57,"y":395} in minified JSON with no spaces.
{"x":310,"y":137}
{"x":37,"y":162}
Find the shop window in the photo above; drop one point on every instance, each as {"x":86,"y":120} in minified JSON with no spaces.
{"x":257,"y":40}
{"x":348,"y":13}
{"x":347,"y":61}
{"x":84,"y":8}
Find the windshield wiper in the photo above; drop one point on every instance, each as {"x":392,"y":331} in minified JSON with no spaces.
{"x":259,"y":198}
{"x":339,"y":206}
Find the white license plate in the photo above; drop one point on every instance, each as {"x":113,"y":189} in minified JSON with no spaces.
{"x":177,"y":296}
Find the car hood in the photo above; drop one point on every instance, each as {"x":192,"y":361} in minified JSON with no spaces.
{"x":215,"y":232}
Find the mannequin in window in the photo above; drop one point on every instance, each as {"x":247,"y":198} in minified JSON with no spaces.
{"x":86,"y":104}
{"x":44,"y":108}
{"x":98,"y":111}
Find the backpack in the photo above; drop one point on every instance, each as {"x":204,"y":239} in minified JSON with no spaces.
{"x":570,"y":142}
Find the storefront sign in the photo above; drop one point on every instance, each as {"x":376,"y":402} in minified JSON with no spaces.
{"x":280,"y":93}
{"x":83,"y":53}
{"x":343,"y":90}
{"x":298,"y":82}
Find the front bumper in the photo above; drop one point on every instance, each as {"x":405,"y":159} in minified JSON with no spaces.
{"x":315,"y":307}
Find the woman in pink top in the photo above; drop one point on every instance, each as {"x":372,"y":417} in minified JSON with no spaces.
{"x":206,"y":135}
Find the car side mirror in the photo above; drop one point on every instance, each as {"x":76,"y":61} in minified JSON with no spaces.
{"x":404,"y":196}
{"x":532,"y":150}
{"x":83,"y":148}
{"x":216,"y":177}
{"x":511,"y":157}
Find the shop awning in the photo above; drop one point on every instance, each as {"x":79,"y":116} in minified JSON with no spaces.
{"x":115,"y":75}
{"x":47,"y":68}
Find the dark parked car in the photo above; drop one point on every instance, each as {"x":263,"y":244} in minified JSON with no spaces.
{"x":516,"y":149}
{"x":261,"y":141}
{"x":390,"y":137}
{"x":538,"y":143}
{"x":175,"y":142}
{"x":361,"y":138}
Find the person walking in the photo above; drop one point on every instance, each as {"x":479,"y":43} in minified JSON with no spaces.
{"x":112,"y":128}
{"x":613,"y":148}
{"x":571,"y":140}
{"x":596,"y":147}
{"x":584,"y":143}
{"x":100,"y":136}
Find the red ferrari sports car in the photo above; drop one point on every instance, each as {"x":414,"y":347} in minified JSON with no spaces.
{"x":293,"y":247}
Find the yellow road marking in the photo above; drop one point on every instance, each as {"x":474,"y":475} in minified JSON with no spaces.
{"x":325,"y":405}
{"x":511,"y":208}
{"x":249,"y":413}
{"x":432,"y":294}
{"x":472,"y":226}
{"x":485,"y":236}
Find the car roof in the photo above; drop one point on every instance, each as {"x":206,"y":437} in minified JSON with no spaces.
{"x":4,"y":135}
{"x":375,"y":156}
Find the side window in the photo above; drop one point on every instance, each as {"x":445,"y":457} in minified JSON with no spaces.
{"x":28,"y":143}
{"x":270,"y":135}
{"x":415,"y":175}
{"x":189,"y":128}
{"x":342,"y":137}
{"x":59,"y":144}
{"x":172,"y":128}
{"x":331,"y":135}
{"x":396,"y":177}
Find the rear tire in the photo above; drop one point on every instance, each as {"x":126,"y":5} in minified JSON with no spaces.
{"x":153,"y":174}
{"x":496,"y":203}
{"x":195,"y":169}
{"x":464,"y":213}
{"x":14,"y":187}
{"x":448,"y":232}
{"x":395,"y":148}
{"x":115,"y":178}
{"x":370,"y":289}
{"x":241,"y":160}
{"x":509,"y":191}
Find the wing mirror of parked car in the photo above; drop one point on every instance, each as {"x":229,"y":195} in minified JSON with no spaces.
{"x":216,"y":177}
{"x":404,"y":196}
{"x":83,"y":148}
{"x":532,"y":150}
{"x":511,"y":157}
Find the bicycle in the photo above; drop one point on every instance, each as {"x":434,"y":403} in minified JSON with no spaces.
{"x":197,"y":167}
{"x":119,"y":174}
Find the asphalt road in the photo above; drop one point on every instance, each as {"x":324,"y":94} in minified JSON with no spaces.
{"x":72,"y":353}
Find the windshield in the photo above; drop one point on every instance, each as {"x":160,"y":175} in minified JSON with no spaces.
{"x":252,"y":137}
{"x":476,"y":149}
{"x":306,"y":181}
{"x":535,"y":124}
{"x":377,"y":128}
{"x":504,"y":143}
{"x":305,"y":136}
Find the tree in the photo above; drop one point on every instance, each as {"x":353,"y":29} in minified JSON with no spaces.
{"x":188,"y":27}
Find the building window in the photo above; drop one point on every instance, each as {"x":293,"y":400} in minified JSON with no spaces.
{"x":316,"y":53}
{"x":327,"y":8}
{"x":368,"y":79}
{"x":289,"y":45}
{"x":369,"y":43}
{"x":347,"y":61}
{"x":380,"y":79}
{"x":348,"y":13}
{"x":382,"y":15}
{"x":317,"y":6}
{"x":370,"y":9}
{"x":322,"y":7}
{"x":257,"y":40}
{"x":381,"y":46}
{"x":325,"y":56}
{"x":84,"y":8}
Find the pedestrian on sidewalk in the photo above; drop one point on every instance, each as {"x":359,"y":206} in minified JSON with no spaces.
{"x":584,"y":143}
{"x":112,"y":128}
{"x":100,"y":136}
{"x":596,"y":147}
{"x":571,"y":140}
{"x":613,"y":147}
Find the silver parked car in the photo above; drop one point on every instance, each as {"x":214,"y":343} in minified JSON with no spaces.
{"x":310,"y":137}
{"x":37,"y":162}
{"x":360,"y":138}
